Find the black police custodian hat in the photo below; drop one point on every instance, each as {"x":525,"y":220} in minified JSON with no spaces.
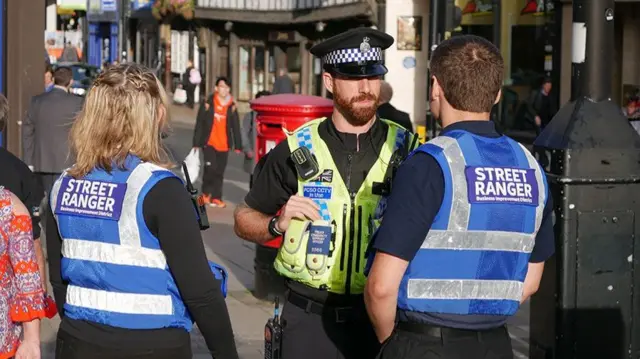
{"x":355,"y":53}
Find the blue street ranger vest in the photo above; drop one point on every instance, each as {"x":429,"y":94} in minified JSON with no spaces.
{"x":116,"y":271}
{"x":475,"y":257}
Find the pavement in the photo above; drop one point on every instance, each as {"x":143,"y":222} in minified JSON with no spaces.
{"x":248,"y":314}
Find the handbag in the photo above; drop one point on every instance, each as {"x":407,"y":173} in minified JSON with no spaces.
{"x":193,"y":164}
{"x":180,"y":96}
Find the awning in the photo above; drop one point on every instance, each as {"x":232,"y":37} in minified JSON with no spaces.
{"x":69,"y":5}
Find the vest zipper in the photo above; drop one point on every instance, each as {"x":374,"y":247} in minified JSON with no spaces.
{"x":359,"y":236}
{"x":352,"y":197}
{"x":344,"y":234}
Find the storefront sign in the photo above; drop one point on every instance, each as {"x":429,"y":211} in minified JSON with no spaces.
{"x":71,"y":5}
{"x":102,"y":10}
{"x":536,"y":7}
{"x":142,"y":4}
{"x":282,"y":36}
{"x":475,"y":7}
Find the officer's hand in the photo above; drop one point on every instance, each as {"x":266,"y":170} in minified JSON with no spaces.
{"x":538,"y":121}
{"x":297,"y":207}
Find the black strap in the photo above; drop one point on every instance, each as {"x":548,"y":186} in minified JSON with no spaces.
{"x":341,"y":313}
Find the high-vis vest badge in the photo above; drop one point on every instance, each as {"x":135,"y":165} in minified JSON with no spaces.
{"x":330,"y":253}
{"x":475,"y":257}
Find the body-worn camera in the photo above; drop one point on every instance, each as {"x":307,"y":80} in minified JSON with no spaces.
{"x":306,"y":164}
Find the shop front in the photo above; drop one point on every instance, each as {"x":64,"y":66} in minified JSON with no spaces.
{"x":103,"y":47}
{"x":259,"y":53}
{"x":527,"y":33}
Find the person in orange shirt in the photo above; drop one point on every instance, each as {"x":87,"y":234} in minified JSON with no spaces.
{"x":217,"y":131}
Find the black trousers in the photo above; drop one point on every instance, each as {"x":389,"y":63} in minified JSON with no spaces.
{"x":448,"y":343}
{"x":47,"y":180}
{"x":330,"y":335}
{"x":190,"y":90}
{"x":215,"y":163}
{"x":69,"y":347}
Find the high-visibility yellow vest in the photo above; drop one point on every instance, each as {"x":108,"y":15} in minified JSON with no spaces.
{"x":352,"y":217}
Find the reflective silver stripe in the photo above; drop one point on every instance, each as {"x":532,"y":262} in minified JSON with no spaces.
{"x":464,"y":289}
{"x":117,"y":302}
{"x":460,"y":206}
{"x":113,"y":253}
{"x":533,"y":163}
{"x":480,"y":240}
{"x":128,"y":222}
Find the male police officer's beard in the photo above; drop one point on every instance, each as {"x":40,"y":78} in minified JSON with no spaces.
{"x":356,"y":116}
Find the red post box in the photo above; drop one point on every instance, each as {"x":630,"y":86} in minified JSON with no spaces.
{"x":275,"y":114}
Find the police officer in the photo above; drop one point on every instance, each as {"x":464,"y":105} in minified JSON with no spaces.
{"x":468,"y":224}
{"x":327,"y":179}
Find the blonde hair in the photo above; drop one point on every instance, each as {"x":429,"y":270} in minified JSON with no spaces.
{"x":125,"y":112}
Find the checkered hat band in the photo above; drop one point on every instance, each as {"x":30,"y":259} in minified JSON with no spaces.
{"x":344,"y":56}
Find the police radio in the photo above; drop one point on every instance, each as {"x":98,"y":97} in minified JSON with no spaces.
{"x":197,"y":200}
{"x":273,"y":335}
{"x":306,"y":164}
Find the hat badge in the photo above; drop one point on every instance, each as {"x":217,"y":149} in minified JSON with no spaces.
{"x":364,"y":45}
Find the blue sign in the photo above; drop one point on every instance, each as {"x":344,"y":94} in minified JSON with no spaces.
{"x":317,"y":192}
{"x":502,"y":185}
{"x":88,"y":198}
{"x":409,"y":62}
{"x":109,"y":5}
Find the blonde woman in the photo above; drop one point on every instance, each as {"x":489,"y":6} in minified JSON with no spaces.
{"x":127,"y":261}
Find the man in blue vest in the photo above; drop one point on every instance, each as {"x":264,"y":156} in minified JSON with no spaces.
{"x":468,"y":224}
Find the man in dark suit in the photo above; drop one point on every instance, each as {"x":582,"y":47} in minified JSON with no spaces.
{"x":45,"y":129}
{"x":388,"y":112}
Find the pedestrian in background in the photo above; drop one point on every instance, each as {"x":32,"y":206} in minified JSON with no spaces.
{"x":45,"y":129}
{"x":126,"y":257}
{"x":387,"y":111}
{"x":249,"y":135}
{"x":217,"y":131}
{"x":18,"y":178}
{"x":48,"y":79}
{"x":283,"y":83}
{"x":190,"y":79}
{"x":456,"y":255}
{"x":21,"y":296}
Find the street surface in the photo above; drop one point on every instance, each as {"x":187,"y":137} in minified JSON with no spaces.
{"x":248,"y":315}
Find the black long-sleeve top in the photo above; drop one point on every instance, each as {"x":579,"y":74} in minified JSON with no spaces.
{"x":169,"y":215}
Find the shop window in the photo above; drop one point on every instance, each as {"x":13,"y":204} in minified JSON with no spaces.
{"x":244,"y":85}
{"x":252,"y":72}
{"x":258,"y":73}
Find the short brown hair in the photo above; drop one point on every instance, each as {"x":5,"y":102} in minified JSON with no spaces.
{"x":62,"y":76}
{"x":48,"y":69}
{"x":470,"y":71}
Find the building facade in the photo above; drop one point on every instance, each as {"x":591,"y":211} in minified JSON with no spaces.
{"x":249,"y":41}
{"x":103,"y":44}
{"x":534,"y":37}
{"x":22,"y":61}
